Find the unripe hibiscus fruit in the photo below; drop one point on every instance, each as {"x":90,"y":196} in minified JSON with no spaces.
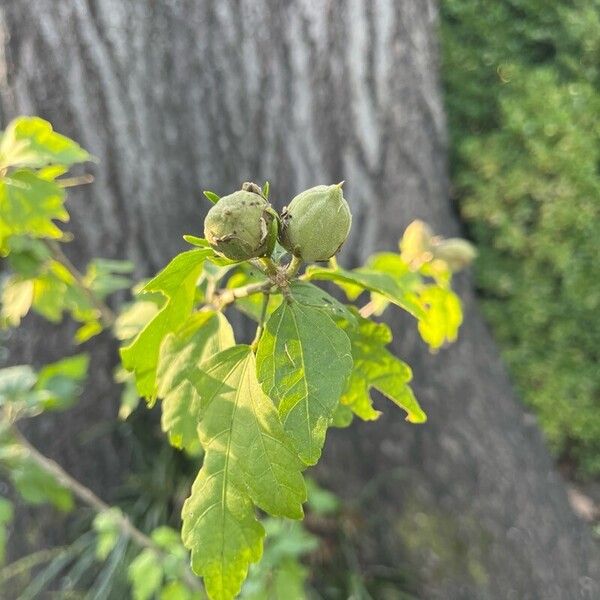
{"x":316,"y":223}
{"x":242,"y":226}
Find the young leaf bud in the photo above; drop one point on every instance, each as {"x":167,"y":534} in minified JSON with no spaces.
{"x":241,"y":226}
{"x":316,"y":223}
{"x":455,"y":252}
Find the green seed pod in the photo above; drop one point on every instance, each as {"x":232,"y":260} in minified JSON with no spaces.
{"x":316,"y":223}
{"x":241,"y":226}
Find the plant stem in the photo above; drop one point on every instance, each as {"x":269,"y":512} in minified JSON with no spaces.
{"x":74,"y":181}
{"x":106,"y":314}
{"x":88,"y":497}
{"x":293,"y":267}
{"x":367,"y":310}
{"x":226,"y":296}
{"x":269,"y":265}
{"x":261,"y":322}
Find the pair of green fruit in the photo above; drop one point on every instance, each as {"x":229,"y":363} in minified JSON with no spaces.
{"x":313,"y":227}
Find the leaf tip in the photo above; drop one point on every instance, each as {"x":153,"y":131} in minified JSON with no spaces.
{"x":417,"y":418}
{"x":211,"y":196}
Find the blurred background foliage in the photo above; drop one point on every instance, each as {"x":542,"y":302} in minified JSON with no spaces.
{"x":521,"y":84}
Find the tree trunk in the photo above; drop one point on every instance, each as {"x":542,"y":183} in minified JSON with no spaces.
{"x":175,"y":96}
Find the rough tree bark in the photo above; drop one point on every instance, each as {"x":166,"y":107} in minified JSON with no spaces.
{"x":176,"y":96}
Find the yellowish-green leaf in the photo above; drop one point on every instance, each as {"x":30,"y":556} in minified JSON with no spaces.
{"x":134,"y":317}
{"x":31,"y":142}
{"x":375,"y":366}
{"x":303,"y":361}
{"x":177,"y":281}
{"x":51,"y":172}
{"x":87,"y":331}
{"x":130,"y":399}
{"x":442,"y":316}
{"x":392,"y":264}
{"x":248,"y":461}
{"x":17,"y":297}
{"x":342,"y":417}
{"x":30,"y":205}
{"x":399,"y":291}
{"x":56,"y":291}
{"x":182,"y":354}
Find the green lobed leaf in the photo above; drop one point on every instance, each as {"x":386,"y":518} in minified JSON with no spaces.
{"x":303,"y":360}
{"x":375,"y":366}
{"x":309,"y":294}
{"x":180,"y":361}
{"x":177,"y":281}
{"x":399,"y":291}
{"x":31,"y":142}
{"x":30,"y":205}
{"x":248,"y":461}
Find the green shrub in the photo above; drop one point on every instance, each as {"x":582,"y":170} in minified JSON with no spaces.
{"x":521,"y":83}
